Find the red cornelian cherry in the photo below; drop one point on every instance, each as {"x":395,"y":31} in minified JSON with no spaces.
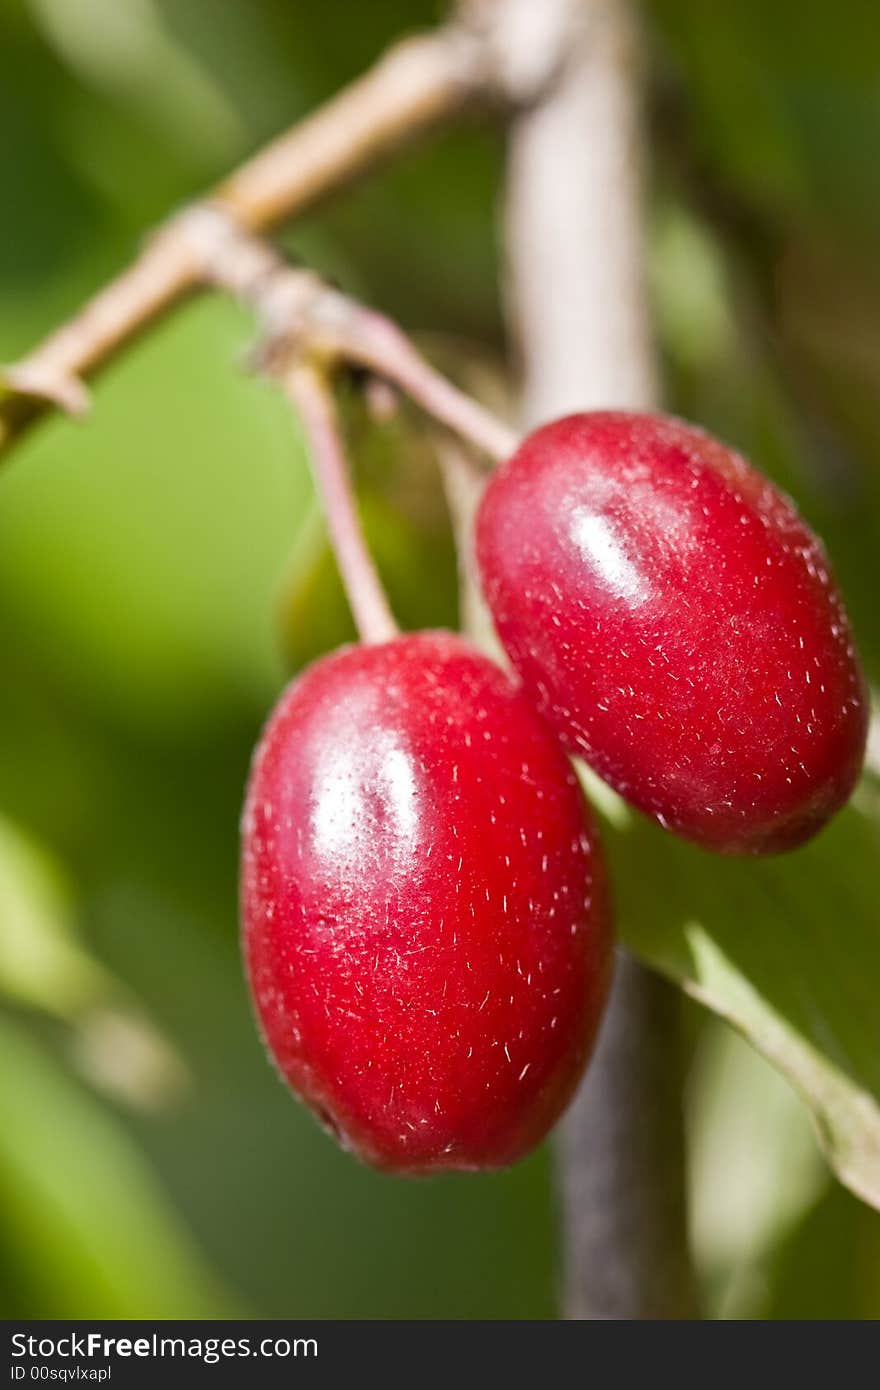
{"x":676,"y":623}
{"x":424,"y":915}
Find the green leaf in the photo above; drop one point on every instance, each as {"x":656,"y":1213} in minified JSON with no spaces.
{"x":45,"y":966}
{"x":828,"y":1269}
{"x":175,"y":505}
{"x":787,"y":949}
{"x":41,"y":962}
{"x":84,"y":1218}
{"x":754,"y":1170}
{"x":128,"y":51}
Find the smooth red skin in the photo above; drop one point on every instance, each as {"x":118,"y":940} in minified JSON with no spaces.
{"x":425,"y":924}
{"x":676,"y":622}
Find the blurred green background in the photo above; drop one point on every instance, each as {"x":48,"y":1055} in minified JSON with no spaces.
{"x":162,"y":571}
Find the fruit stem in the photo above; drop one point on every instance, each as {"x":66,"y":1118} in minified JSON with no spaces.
{"x":308,"y":391}
{"x":375,"y":341}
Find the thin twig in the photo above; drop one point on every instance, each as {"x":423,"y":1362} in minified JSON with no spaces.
{"x":576,"y":277}
{"x":307,"y":389}
{"x":374,"y":341}
{"x":417,"y":85}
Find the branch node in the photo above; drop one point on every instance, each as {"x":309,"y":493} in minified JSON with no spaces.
{"x":45,"y":383}
{"x":523,"y":46}
{"x":381,"y":399}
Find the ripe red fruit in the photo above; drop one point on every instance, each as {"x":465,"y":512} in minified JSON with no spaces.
{"x":676,"y":622}
{"x":424,"y":918}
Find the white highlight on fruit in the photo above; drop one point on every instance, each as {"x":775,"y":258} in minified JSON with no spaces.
{"x":355,"y":797}
{"x":602,"y":549}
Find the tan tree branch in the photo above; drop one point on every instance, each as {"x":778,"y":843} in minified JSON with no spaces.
{"x":576,"y":273}
{"x":418,"y":84}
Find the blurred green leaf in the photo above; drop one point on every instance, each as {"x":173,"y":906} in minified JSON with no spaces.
{"x":41,"y":962}
{"x":782,"y":100}
{"x":754,"y":1169}
{"x":44,"y":965}
{"x":828,"y":1267}
{"x":124,"y":47}
{"x":787,"y":949}
{"x":140,"y":549}
{"x":88,"y":1225}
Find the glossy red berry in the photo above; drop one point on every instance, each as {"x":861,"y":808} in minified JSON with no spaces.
{"x":676,"y":622}
{"x":424,"y":917}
